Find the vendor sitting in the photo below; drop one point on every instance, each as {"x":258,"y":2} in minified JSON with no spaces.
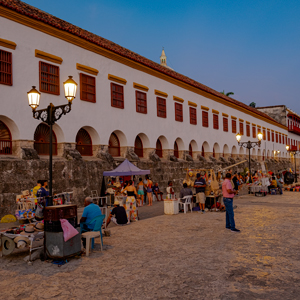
{"x":90,"y":212}
{"x":185,"y":191}
{"x":118,"y":215}
{"x":157,"y":191}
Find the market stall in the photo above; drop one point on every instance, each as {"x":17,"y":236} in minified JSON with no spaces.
{"x":126,"y":168}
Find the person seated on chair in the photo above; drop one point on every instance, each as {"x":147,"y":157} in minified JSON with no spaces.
{"x":118,"y":215}
{"x":185,"y":191}
{"x":90,"y":212}
{"x":157,"y":192}
{"x":273,"y":184}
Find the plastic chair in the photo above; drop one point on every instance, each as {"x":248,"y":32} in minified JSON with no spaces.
{"x":188,"y":202}
{"x":97,"y":229}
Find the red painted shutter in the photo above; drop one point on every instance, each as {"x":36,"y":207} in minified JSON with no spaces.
{"x":216,"y":121}
{"x":5,"y":67}
{"x":241,"y":128}
{"x":178,"y":112}
{"x":193,"y":116}
{"x":233,"y":122}
{"x":204,"y":118}
{"x":225,"y":124}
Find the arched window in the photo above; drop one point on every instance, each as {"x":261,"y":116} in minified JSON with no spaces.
{"x":84,"y":143}
{"x":114,"y":145}
{"x":263,"y":156}
{"x":138,"y":147}
{"x":202,"y":151}
{"x":42,"y":140}
{"x":176,"y":152}
{"x":5,"y":139}
{"x":190,"y":150}
{"x":214,"y":154}
{"x":158,"y":149}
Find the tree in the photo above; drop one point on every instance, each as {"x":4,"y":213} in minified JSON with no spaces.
{"x":227,"y":94}
{"x":252,"y":104}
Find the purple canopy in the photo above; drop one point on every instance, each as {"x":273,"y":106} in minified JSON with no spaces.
{"x":126,"y":168}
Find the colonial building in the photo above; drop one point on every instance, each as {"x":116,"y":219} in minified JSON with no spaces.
{"x":125,"y":102}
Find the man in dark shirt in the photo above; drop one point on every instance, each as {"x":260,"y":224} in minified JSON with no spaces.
{"x":200,"y":185}
{"x":118,"y":215}
{"x":43,"y":192}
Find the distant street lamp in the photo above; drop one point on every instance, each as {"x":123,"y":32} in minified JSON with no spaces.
{"x":50,"y":115}
{"x":294,"y":152}
{"x":249,"y":145}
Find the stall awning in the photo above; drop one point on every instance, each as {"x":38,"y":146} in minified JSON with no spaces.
{"x":126,"y":168}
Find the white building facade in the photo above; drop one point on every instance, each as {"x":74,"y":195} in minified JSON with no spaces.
{"x":124,"y":101}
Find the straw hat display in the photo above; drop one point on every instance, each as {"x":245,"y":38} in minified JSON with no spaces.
{"x":29,"y":229}
{"x":39,"y":226}
{"x":21,"y":241}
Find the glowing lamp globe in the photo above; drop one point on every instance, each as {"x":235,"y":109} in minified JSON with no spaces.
{"x":259,"y":136}
{"x":34,"y":98}
{"x":70,"y":87}
{"x":238,"y":137}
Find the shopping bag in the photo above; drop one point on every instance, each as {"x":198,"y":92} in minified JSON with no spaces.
{"x":68,"y":229}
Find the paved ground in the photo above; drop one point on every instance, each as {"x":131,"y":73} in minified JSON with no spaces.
{"x":185,"y":256}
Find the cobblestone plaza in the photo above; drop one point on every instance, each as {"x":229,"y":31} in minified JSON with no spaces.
{"x":185,"y":256}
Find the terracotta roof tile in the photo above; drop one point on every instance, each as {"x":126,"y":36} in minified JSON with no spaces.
{"x":42,"y":16}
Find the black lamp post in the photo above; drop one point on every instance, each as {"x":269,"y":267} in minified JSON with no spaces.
{"x":249,"y":145}
{"x":50,"y":115}
{"x":294,"y":152}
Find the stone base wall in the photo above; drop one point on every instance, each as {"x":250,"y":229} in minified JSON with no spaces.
{"x":81,"y":176}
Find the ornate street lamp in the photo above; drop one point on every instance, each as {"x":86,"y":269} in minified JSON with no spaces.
{"x":249,"y":145}
{"x":50,"y":115}
{"x":294,"y":152}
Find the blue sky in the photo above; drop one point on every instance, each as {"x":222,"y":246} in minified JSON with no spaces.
{"x":248,"y":47}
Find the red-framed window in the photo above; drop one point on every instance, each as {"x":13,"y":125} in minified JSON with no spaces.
{"x":276,"y":135}
{"x":272,"y":136}
{"x":233,"y":124}
{"x":190,"y":150}
{"x":42,"y":140}
{"x":114,"y":145}
{"x":241,"y":128}
{"x":204,"y":118}
{"x":178,"y":112}
{"x":84,"y":143}
{"x":268,"y":135}
{"x":161,"y":107}
{"x":193,"y":115}
{"x":254,"y":132}
{"x":87,"y":88}
{"x":248,"y":129}
{"x":176,"y":151}
{"x":215,"y":121}
{"x":5,"y":67}
{"x":141,"y":102}
{"x":138,"y":147}
{"x":158,"y":149}
{"x":289,"y":141}
{"x":225,"y":124}
{"x":49,"y":78}
{"x":264,"y":134}
{"x":117,"y":95}
{"x":5,"y":139}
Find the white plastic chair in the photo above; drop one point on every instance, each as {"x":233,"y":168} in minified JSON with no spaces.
{"x":188,"y":202}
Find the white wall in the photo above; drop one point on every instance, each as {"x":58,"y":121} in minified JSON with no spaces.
{"x":100,"y":115}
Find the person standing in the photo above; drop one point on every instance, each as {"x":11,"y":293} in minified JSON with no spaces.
{"x":149,"y":190}
{"x":228,"y":194}
{"x":141,"y":192}
{"x":200,"y":185}
{"x":131,"y":208}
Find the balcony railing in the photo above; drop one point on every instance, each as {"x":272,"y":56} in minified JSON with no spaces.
{"x":293,"y":148}
{"x":5,"y":147}
{"x":43,"y":148}
{"x":294,"y":128}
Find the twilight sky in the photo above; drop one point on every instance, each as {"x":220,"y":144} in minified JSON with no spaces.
{"x":248,"y":47}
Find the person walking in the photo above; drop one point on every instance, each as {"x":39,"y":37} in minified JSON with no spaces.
{"x":131,"y":208}
{"x":149,"y":190}
{"x":200,"y":185}
{"x":228,"y":194}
